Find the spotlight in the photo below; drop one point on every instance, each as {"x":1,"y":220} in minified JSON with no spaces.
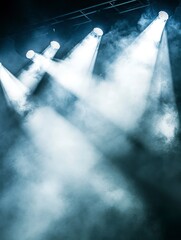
{"x":98,"y":32}
{"x":163,"y":16}
{"x":30,"y":54}
{"x":55,"y":45}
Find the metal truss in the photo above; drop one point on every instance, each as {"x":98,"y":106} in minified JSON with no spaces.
{"x":84,"y":15}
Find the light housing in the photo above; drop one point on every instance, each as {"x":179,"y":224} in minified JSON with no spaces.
{"x":30,"y":54}
{"x":163,"y":16}
{"x":55,"y":44}
{"x":98,"y":32}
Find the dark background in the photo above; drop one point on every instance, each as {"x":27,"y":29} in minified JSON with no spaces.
{"x":27,"y":24}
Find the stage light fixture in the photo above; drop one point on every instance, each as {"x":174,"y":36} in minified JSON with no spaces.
{"x":98,"y":32}
{"x":163,"y":16}
{"x":55,"y":45}
{"x":30,"y":54}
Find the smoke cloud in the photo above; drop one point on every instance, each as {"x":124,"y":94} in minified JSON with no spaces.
{"x":98,"y":156}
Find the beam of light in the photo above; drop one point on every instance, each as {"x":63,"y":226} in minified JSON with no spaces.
{"x":83,"y":56}
{"x":15,"y":92}
{"x":165,"y":121}
{"x":57,"y":173}
{"x":123,"y":97}
{"x":33,"y":75}
{"x":76,"y":70}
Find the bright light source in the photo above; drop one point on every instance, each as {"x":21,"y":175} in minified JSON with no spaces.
{"x":33,"y":75}
{"x":55,"y":45}
{"x":163,"y":15}
{"x":30,"y":54}
{"x":98,"y":31}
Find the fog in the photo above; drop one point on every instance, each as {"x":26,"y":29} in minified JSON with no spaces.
{"x":95,"y":156}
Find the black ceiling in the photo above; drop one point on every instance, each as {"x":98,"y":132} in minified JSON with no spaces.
{"x":20,"y":15}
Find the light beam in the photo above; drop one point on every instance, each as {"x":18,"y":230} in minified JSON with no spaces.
{"x":75,"y":71}
{"x":164,"y":119}
{"x":123,"y":98}
{"x":15,"y":92}
{"x":35,"y":72}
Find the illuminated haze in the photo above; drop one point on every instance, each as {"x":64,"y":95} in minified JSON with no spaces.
{"x":87,"y":159}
